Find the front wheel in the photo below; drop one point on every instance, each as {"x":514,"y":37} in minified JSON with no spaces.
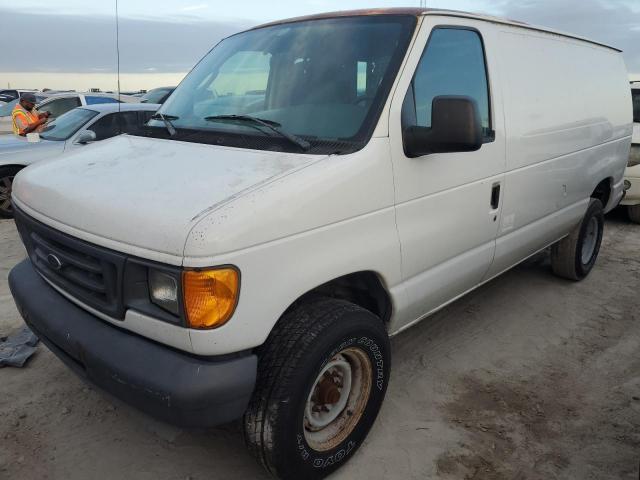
{"x":574,"y":256}
{"x":322,"y":377}
{"x":6,"y":182}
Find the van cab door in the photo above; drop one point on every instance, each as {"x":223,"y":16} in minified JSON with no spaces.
{"x":448,"y":205}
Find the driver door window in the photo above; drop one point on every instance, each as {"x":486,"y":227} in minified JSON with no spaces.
{"x":452,"y":64}
{"x":115,"y":124}
{"x":106,"y":127}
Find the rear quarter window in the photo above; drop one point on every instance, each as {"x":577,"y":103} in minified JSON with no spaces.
{"x":98,"y":100}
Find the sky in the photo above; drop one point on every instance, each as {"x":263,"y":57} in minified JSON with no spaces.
{"x":72,"y":43}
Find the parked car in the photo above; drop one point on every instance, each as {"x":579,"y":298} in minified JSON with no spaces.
{"x":138,"y":93}
{"x":5,"y":113}
{"x":8,"y":95}
{"x":632,"y":175}
{"x":253,"y":265}
{"x":157,"y":95}
{"x":61,"y":103}
{"x":72,"y":130}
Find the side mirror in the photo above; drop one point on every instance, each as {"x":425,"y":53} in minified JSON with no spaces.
{"x":455,"y":127}
{"x":86,"y":136}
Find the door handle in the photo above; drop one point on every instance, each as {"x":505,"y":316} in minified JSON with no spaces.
{"x":495,"y":196}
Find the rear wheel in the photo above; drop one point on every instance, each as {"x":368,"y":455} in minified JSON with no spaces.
{"x":574,"y":256}
{"x":322,"y":377}
{"x":634,"y":213}
{"x":6,"y":182}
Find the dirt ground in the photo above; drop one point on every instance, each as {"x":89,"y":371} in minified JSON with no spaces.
{"x":529,"y":377}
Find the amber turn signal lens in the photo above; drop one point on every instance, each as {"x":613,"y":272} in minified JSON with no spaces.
{"x":210,"y":296}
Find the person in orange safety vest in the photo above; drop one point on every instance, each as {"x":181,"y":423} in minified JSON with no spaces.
{"x":24,"y":116}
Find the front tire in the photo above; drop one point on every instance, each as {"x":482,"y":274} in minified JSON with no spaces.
{"x":574,"y":256}
{"x":634,"y":213}
{"x":322,"y":377}
{"x":6,"y":183}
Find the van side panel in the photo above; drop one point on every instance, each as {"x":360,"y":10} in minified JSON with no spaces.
{"x":568,"y":127}
{"x":561,"y":96}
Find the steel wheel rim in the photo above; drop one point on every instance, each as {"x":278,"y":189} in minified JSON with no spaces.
{"x":590,"y":240}
{"x":6,"y":184}
{"x":337,"y":400}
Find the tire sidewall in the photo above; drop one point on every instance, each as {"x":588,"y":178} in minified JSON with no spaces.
{"x":595,"y":210}
{"x":302,"y":461}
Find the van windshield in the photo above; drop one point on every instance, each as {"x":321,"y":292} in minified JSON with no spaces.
{"x":323,"y":81}
{"x":636,"y":104}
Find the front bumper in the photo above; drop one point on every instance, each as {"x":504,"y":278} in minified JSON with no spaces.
{"x":173,"y":386}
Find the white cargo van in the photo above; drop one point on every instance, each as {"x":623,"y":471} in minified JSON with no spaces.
{"x":632,"y":175}
{"x":312,"y":187}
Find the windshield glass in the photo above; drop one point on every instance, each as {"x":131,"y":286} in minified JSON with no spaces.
{"x":6,"y":109}
{"x":67,"y":124}
{"x":324,"y":81}
{"x":636,"y":105}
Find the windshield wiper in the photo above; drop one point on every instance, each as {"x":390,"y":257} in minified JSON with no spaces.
{"x":270,"y":124}
{"x":167,"y":121}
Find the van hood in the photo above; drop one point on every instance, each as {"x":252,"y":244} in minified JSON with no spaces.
{"x":17,"y":150}
{"x":143,"y":194}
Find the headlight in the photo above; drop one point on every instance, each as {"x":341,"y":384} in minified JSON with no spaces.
{"x":163,"y":290}
{"x":210,"y":296}
{"x":634,"y":156}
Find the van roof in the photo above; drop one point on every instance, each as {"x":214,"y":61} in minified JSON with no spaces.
{"x":432,"y":11}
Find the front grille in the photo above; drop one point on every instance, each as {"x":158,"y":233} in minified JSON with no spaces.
{"x":89,"y":273}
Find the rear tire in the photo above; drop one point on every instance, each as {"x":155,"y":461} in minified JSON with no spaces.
{"x":574,"y":256}
{"x":634,"y":213}
{"x":6,"y":182}
{"x":322,"y":377}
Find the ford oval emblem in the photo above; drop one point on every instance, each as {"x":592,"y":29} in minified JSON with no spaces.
{"x":54,"y":262}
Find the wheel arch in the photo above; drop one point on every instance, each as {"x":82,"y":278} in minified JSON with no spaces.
{"x":602,"y":191}
{"x":364,"y":288}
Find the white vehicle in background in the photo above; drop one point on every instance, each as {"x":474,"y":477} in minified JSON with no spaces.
{"x":307,"y":191}
{"x":74,"y":129}
{"x":157,"y":95}
{"x":60,"y":103}
{"x":632,"y":175}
